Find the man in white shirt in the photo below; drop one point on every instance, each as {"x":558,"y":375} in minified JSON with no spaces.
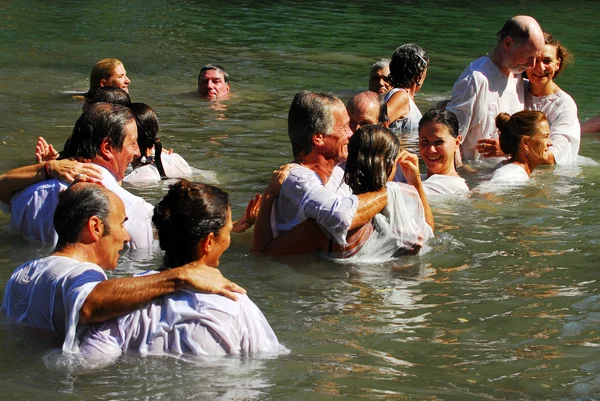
{"x":105,"y":135}
{"x":493,"y":84}
{"x":318,"y":127}
{"x":69,"y":288}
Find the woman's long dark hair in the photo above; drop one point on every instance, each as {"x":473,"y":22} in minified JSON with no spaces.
{"x":147,"y":126}
{"x":187,"y":214}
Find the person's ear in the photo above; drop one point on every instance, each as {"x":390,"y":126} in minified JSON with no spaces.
{"x":318,"y":139}
{"x":507,"y":43}
{"x":94,"y":230}
{"x":103,"y":82}
{"x":208,"y":242}
{"x":106,"y":150}
{"x":458,"y":138}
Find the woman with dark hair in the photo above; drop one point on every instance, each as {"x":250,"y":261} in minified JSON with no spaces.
{"x":153,"y":165}
{"x":194,"y":225}
{"x":408,"y":70}
{"x":438,"y":144}
{"x":401,"y":228}
{"x":525,"y":138}
{"x":544,"y":95}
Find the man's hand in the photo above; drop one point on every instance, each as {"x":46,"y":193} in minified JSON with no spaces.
{"x":198,"y":277}
{"x":489,"y":147}
{"x":249,"y":217}
{"x":70,"y":170}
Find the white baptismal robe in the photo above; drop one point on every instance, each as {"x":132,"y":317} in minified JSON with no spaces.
{"x":48,"y":294}
{"x":175,"y":167}
{"x":440,"y":184}
{"x":511,"y":173}
{"x":32,"y":211}
{"x":185,"y":322}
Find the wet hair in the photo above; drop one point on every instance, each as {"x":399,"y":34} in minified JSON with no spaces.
{"x":107,"y":94}
{"x":381,"y":64}
{"x":311,"y":113}
{"x":372,"y":152}
{"x":217,"y":67}
{"x":101,"y":121}
{"x":514,"y":128}
{"x":409,"y":63}
{"x":103,"y":69}
{"x":441,"y":116}
{"x":147,"y":127}
{"x":188,"y":213}
{"x":517,"y":29}
{"x":76,"y":205}
{"x":562,"y":54}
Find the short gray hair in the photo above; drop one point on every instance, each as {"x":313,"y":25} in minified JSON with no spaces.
{"x":381,"y":64}
{"x":311,"y":113}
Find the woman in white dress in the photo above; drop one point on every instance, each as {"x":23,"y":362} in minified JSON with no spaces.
{"x":408,"y":70}
{"x":153,"y":165}
{"x":438,"y":144}
{"x":543,"y":94}
{"x":525,"y":138}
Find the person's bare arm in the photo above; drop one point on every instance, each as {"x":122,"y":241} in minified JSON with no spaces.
{"x":398,"y":106}
{"x":369,"y":204}
{"x":409,"y":163}
{"x":65,"y":170}
{"x":116,"y":297}
{"x":591,"y":126}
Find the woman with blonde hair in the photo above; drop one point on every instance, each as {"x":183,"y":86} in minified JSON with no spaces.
{"x":109,"y":72}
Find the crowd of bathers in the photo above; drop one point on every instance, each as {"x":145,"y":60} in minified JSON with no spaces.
{"x":351,"y":193}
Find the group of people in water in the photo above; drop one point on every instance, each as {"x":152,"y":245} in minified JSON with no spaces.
{"x":352,"y":193}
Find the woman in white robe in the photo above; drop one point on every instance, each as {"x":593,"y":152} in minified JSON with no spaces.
{"x":194,"y":224}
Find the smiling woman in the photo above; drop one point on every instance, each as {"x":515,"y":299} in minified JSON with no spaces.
{"x":109,"y":72}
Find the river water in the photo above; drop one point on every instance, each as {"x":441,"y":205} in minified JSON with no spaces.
{"x":506,"y":306}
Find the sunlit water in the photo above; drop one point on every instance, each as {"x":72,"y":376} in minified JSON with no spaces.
{"x":505,"y":306}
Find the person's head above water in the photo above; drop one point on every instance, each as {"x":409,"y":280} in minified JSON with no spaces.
{"x":551,"y":62}
{"x":149,"y":144}
{"x":91,"y":216}
{"x":525,"y":136}
{"x":378,"y":77}
{"x":366,"y":108}
{"x":408,"y":67}
{"x":194,"y":224}
{"x":213,"y":82}
{"x":519,"y":43}
{"x":106,"y":94}
{"x":439,"y":141}
{"x":318,"y":123}
{"x":373,"y":153}
{"x":109,"y":72}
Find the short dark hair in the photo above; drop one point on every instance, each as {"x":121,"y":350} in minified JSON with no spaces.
{"x":441,"y":116}
{"x":188,"y":213}
{"x":409,"y":63}
{"x":513,"y":128}
{"x":76,"y":205}
{"x":217,"y":67}
{"x":372,"y":152}
{"x":101,"y":121}
{"x":107,"y":94}
{"x":311,"y":113}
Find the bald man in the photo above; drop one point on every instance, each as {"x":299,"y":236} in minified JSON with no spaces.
{"x":366,"y":108}
{"x":493,"y":84}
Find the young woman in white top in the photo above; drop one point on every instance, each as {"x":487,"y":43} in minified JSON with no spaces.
{"x":543,"y":94}
{"x":408,"y":70}
{"x":438,"y":143}
{"x":525,"y":137}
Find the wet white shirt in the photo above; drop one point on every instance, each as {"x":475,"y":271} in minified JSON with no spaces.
{"x":565,"y":132}
{"x":175,"y":167}
{"x":32,"y":211}
{"x":479,"y":95}
{"x":48,"y":294}
{"x":410,"y":123}
{"x":185,"y":322}
{"x":440,"y":184}
{"x":303,"y":196}
{"x":511,"y":173}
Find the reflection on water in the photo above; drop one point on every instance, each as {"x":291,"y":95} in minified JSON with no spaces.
{"x":505,"y":304}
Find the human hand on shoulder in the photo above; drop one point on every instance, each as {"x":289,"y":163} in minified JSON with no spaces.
{"x":70,"y":170}
{"x":489,"y":147}
{"x":277,"y":179}
{"x":196,"y":276}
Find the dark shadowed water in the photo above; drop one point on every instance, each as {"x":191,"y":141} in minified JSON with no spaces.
{"x":506,"y":306}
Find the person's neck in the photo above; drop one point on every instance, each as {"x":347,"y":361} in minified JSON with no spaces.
{"x":546,"y":89}
{"x":497,"y":58}
{"x":320,"y":165}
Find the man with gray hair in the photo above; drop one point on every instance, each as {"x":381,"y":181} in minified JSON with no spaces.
{"x":493,"y":84}
{"x":378,"y":77}
{"x":69,"y":288}
{"x":213,"y":82}
{"x":319,"y":132}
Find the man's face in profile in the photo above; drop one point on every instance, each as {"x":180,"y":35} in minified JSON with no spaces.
{"x":212,"y":85}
